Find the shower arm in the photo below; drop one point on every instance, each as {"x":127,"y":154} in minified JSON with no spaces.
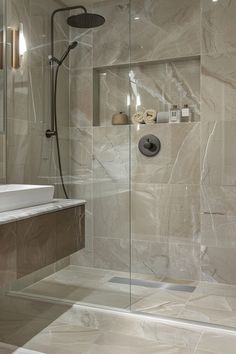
{"x":51,"y":132}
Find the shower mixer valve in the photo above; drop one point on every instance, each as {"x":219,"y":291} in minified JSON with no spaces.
{"x":149,"y":145}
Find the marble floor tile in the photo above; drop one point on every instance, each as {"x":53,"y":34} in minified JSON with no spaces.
{"x":169,"y":303}
{"x":216,"y":343}
{"x":75,"y":294}
{"x":84,"y":330}
{"x":211,"y":303}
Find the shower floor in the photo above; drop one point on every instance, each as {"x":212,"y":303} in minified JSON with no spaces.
{"x":81,"y":330}
{"x":211,"y":303}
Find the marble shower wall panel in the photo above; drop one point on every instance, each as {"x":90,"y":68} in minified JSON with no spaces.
{"x":162,"y":85}
{"x":166,"y":239}
{"x":114,"y":90}
{"x":158,"y":86}
{"x":163,"y":29}
{"x":111,"y":41}
{"x":218,"y":86}
{"x":178,"y":161}
{"x":111,"y":197}
{"x":111,"y":154}
{"x":218,"y":25}
{"x":153,"y":31}
{"x":166,"y":203}
{"x":81,"y":98}
{"x":169,"y":183}
{"x":218,"y":96}
{"x":166,"y":212}
{"x":31,"y":156}
{"x":166,"y":261}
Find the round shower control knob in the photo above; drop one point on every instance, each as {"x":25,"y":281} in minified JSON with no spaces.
{"x":149,"y":145}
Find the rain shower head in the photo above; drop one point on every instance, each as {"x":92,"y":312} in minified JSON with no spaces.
{"x":86,"y":20}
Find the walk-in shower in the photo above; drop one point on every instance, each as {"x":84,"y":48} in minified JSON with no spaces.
{"x":159,"y":227}
{"x":82,"y":20}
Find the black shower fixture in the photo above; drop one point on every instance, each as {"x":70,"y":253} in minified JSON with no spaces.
{"x":81,"y":20}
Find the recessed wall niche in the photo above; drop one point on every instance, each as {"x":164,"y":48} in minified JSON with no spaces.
{"x":150,"y":85}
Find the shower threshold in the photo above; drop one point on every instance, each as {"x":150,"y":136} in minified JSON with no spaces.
{"x":153,"y":284}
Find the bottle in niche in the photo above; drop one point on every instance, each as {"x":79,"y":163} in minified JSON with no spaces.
{"x":174,"y":114}
{"x":185,"y":114}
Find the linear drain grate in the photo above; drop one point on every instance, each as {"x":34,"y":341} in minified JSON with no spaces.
{"x":153,"y":284}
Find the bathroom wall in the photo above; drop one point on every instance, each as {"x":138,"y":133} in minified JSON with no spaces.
{"x":95,"y":152}
{"x":183,"y":200}
{"x":218,"y":127}
{"x":31,"y":156}
{"x":165,"y":193}
{"x":165,"y":189}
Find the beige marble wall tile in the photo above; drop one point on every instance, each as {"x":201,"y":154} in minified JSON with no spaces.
{"x":156,"y":86}
{"x":111,"y":217}
{"x":111,"y":154}
{"x":218,"y":87}
{"x":217,"y":153}
{"x":162,"y":85}
{"x":178,"y":160}
{"x":81,"y":149}
{"x":218,"y":200}
{"x":153,"y":29}
{"x":173,"y":261}
{"x":218,"y":264}
{"x":111,"y":41}
{"x":81,"y":97}
{"x":111,"y":253}
{"x":165,"y":212}
{"x":114,"y":92}
{"x":82,"y":56}
{"x":218,"y":26}
{"x":218,"y":230}
{"x":28,"y":96}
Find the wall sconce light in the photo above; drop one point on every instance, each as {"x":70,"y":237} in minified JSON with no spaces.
{"x":18,"y":46}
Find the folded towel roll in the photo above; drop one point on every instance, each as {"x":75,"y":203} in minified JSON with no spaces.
{"x":137,"y":118}
{"x":150,"y":116}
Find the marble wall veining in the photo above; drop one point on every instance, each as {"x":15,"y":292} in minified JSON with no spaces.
{"x":31,"y":156}
{"x":165,"y":193}
{"x":218,"y":93}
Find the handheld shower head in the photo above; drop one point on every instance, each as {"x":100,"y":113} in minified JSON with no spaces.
{"x":65,"y":55}
{"x":73,"y":45}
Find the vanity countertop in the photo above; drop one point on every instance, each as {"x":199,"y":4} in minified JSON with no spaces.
{"x":57,"y":204}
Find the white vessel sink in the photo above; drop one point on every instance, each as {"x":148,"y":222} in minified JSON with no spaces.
{"x":17,"y":196}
